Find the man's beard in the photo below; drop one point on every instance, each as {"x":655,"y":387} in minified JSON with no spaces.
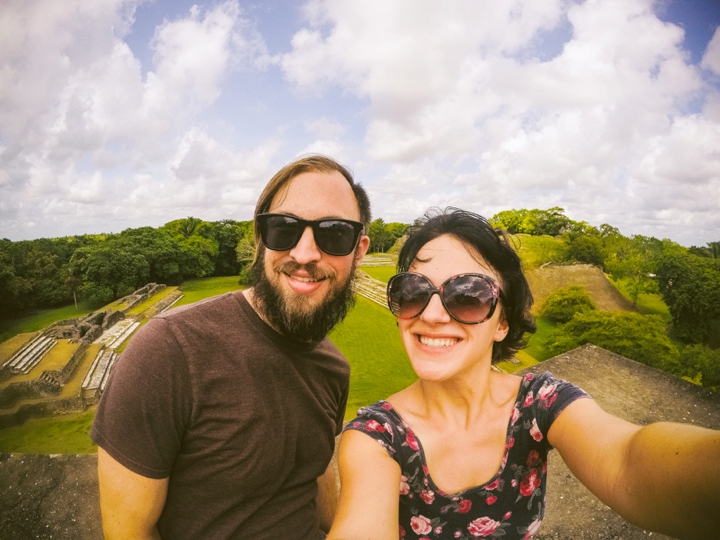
{"x":293,"y":315}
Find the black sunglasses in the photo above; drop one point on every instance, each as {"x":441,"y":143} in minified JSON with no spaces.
{"x":334,"y":236}
{"x":468,"y":298}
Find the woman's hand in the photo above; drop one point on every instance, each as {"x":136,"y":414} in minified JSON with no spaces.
{"x":369,"y":491}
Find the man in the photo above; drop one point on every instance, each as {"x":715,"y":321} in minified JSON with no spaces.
{"x":220,"y":417}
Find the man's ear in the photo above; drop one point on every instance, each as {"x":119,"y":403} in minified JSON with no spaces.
{"x":363,"y":245}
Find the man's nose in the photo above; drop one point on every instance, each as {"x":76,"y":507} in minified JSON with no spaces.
{"x":306,"y":250}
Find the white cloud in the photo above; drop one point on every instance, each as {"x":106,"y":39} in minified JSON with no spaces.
{"x":77,"y":113}
{"x":459,"y":87}
{"x":711,"y":58}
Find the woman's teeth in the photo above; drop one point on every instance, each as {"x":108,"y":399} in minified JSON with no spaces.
{"x":431,"y":342}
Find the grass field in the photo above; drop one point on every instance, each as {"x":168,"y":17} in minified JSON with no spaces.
{"x":382,"y":273}
{"x":40,"y":319}
{"x":648,"y":304}
{"x":67,"y":434}
{"x":537,"y":250}
{"x":370,"y":341}
{"x":536,"y":342}
{"x":197,"y":289}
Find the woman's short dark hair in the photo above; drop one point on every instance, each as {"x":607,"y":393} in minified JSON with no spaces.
{"x":493,"y":246}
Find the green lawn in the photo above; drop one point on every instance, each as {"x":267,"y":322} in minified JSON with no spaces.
{"x":370,"y":341}
{"x":524,"y":360}
{"x":538,"y":250}
{"x":536,"y":342}
{"x":648,"y":304}
{"x":67,"y":434}
{"x":197,"y":289}
{"x":382,"y":273}
{"x":40,"y":319}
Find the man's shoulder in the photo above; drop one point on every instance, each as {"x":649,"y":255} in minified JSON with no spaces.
{"x":222,"y":302}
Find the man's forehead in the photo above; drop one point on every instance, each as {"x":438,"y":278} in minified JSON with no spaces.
{"x":315,"y":195}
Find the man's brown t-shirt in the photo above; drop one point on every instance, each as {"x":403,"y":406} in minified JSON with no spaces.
{"x":241,"y":420}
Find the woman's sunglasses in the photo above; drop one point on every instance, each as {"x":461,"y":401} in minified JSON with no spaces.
{"x":334,"y":236}
{"x":468,"y":298}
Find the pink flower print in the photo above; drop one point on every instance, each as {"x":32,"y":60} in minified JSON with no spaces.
{"x":386,"y":406}
{"x":457,"y":534}
{"x":532,"y":529}
{"x":404,"y":487}
{"x":494,"y":485}
{"x":420,"y":524}
{"x":547,"y":395}
{"x":411,"y":441}
{"x":483,"y":526}
{"x":528,"y":400}
{"x":491,"y":499}
{"x":530,"y":483}
{"x":464,"y":506}
{"x":427,"y":495}
{"x":401,"y":532}
{"x":372,"y":425}
{"x":438,"y":530}
{"x":426,"y":472}
{"x":535,"y":432}
{"x":515,"y":416}
{"x":507,"y":515}
{"x":533,"y":459}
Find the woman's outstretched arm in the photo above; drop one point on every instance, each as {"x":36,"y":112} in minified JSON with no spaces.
{"x":664,"y":477}
{"x":369,"y":491}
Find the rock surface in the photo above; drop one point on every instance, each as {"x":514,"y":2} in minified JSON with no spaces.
{"x":44,"y":497}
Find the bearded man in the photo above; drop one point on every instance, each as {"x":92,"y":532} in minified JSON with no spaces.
{"x":219,"y":419}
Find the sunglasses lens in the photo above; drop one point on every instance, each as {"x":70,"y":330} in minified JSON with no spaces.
{"x":408,"y":294}
{"x":469,"y":298}
{"x":280,"y":232}
{"x":335,"y":237}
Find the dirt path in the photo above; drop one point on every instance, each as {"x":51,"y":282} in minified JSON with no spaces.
{"x":547,"y":279}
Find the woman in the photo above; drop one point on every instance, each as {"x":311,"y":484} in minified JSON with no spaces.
{"x":468,"y":445}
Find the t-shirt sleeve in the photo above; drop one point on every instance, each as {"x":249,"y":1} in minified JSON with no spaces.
{"x":550,"y":397}
{"x":376,"y":422}
{"x":340,"y":418}
{"x":142,"y":414}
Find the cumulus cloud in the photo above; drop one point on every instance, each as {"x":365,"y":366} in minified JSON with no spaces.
{"x":711,"y":58}
{"x":77,"y":113}
{"x":469,"y":87}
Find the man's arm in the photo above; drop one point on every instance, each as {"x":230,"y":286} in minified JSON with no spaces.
{"x":327,"y":497}
{"x":664,"y":477}
{"x":130,"y":504}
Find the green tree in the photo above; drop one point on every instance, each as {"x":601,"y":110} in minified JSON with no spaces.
{"x":380,"y":238}
{"x":690,"y":286}
{"x":638,"y":337}
{"x":634,"y":262}
{"x":563,"y":304}
{"x":701,"y":359}
{"x":586,"y":249}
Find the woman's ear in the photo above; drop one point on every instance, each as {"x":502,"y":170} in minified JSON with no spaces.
{"x":502,"y":329}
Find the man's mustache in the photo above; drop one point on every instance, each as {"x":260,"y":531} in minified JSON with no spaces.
{"x":288,"y":267}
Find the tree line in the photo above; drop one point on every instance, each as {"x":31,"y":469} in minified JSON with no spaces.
{"x":100,"y":268}
{"x":103,"y":267}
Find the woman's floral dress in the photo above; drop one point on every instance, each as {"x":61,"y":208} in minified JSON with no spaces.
{"x":511,"y":504}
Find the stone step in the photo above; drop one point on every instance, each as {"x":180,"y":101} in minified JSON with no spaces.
{"x":97,"y":374}
{"x":130,"y":329}
{"x":30,"y":355}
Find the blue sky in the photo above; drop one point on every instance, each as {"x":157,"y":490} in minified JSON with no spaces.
{"x":127,"y":113}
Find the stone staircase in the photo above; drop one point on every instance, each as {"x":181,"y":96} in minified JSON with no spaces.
{"x":370,"y":288}
{"x":30,"y":355}
{"x":98,"y":374}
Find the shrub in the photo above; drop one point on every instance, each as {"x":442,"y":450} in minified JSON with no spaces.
{"x":564,"y":303}
{"x":696,"y":359}
{"x":638,"y":337}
